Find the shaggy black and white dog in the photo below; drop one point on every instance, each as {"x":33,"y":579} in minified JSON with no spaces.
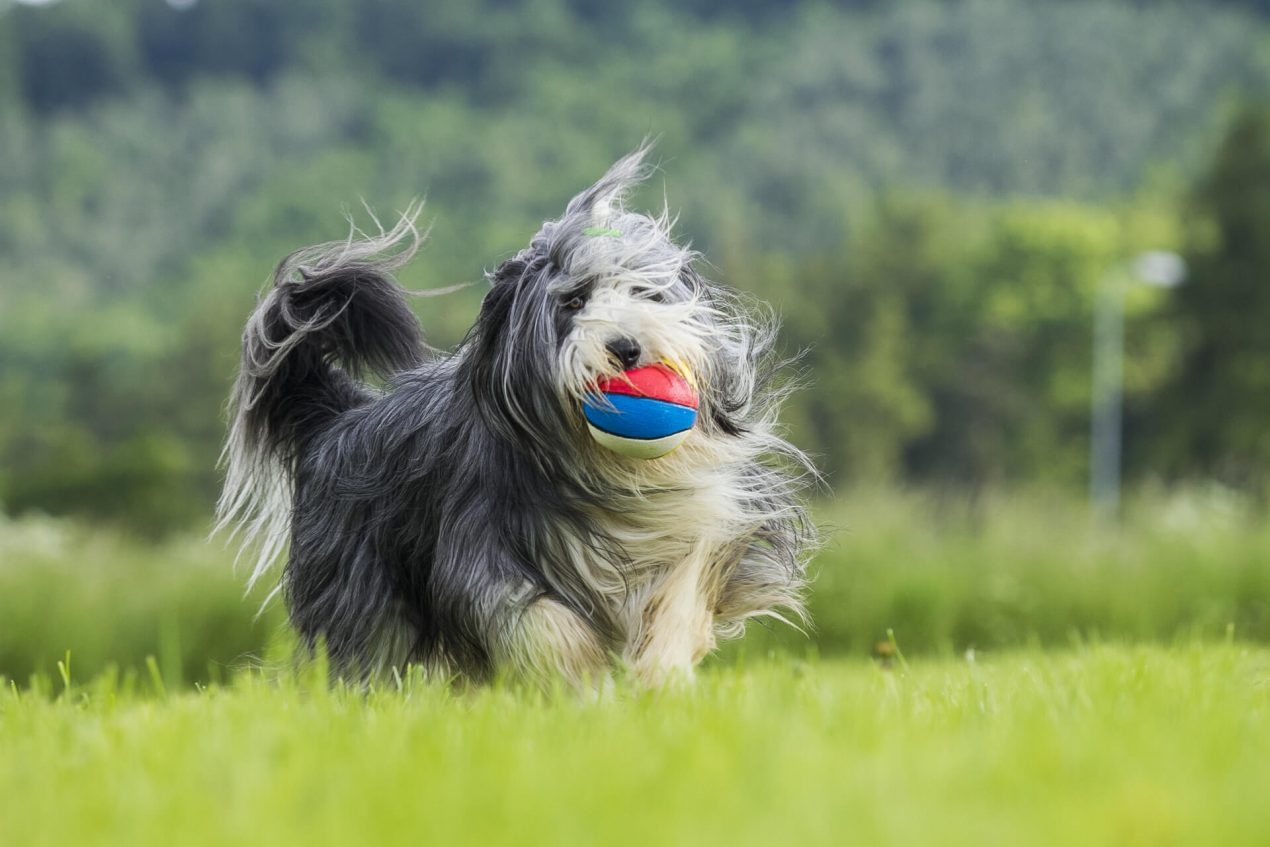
{"x":463,"y":518}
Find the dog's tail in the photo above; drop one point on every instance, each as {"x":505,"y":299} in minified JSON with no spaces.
{"x":333,"y":314}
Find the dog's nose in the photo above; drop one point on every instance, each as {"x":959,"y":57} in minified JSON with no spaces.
{"x":626,"y":351}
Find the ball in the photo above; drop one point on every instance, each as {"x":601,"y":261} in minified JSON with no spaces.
{"x":643,"y":413}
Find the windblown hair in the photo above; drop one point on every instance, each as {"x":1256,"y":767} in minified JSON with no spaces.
{"x":463,"y":518}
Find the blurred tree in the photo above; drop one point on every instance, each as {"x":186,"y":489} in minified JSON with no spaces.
{"x":159,"y":161}
{"x":255,"y":39}
{"x":1217,"y":412}
{"x":1007,"y":365}
{"x":72,"y":53}
{"x":876,"y":306}
{"x":10,"y":72}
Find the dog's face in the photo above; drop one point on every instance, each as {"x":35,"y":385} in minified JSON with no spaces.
{"x":597,"y":292}
{"x":618,"y":310}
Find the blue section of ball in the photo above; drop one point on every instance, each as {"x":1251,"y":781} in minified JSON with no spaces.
{"x":639,"y":417}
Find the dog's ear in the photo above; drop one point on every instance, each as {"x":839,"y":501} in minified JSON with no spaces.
{"x":497,"y":302}
{"x":510,"y":271}
{"x":595,"y":204}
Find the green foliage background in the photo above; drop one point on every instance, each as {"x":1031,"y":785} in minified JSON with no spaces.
{"x":928,"y":192}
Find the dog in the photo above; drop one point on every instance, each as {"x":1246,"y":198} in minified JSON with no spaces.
{"x":452,"y":511}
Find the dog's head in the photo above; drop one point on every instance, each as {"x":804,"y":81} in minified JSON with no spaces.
{"x":597,"y":292}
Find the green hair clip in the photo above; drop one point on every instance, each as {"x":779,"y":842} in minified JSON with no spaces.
{"x":599,"y":230}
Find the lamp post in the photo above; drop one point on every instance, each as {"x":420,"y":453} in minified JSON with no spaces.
{"x":1158,"y":268}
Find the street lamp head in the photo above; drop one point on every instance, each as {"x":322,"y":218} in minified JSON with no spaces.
{"x":1160,"y":268}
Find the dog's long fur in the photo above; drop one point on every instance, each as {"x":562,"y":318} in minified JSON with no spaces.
{"x":463,"y":519}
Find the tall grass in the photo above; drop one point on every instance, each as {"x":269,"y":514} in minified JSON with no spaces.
{"x":111,"y":600}
{"x":944,"y":573}
{"x":948,"y":573}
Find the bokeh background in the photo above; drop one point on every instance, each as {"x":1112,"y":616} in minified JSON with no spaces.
{"x":932,"y":194}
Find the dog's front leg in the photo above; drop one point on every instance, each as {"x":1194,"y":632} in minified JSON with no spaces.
{"x":676,"y":628}
{"x":549,"y":642}
{"x":524,"y":633}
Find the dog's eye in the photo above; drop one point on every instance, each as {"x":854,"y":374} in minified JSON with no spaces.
{"x":575,"y":304}
{"x":656,"y":295}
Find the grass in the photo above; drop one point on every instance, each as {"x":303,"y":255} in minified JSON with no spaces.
{"x":949,"y":573}
{"x":113,"y":601}
{"x":1061,"y":683}
{"x":946,"y":574}
{"x":1098,"y":745}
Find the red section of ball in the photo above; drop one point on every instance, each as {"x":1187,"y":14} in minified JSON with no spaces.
{"x":658,"y":381}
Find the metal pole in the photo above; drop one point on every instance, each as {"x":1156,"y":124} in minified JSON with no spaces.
{"x":1161,"y":269}
{"x":1108,"y":390}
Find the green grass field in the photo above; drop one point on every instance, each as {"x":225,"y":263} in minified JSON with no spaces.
{"x":1098,"y":745}
{"x":1061,"y":682}
{"x":946,"y":574}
